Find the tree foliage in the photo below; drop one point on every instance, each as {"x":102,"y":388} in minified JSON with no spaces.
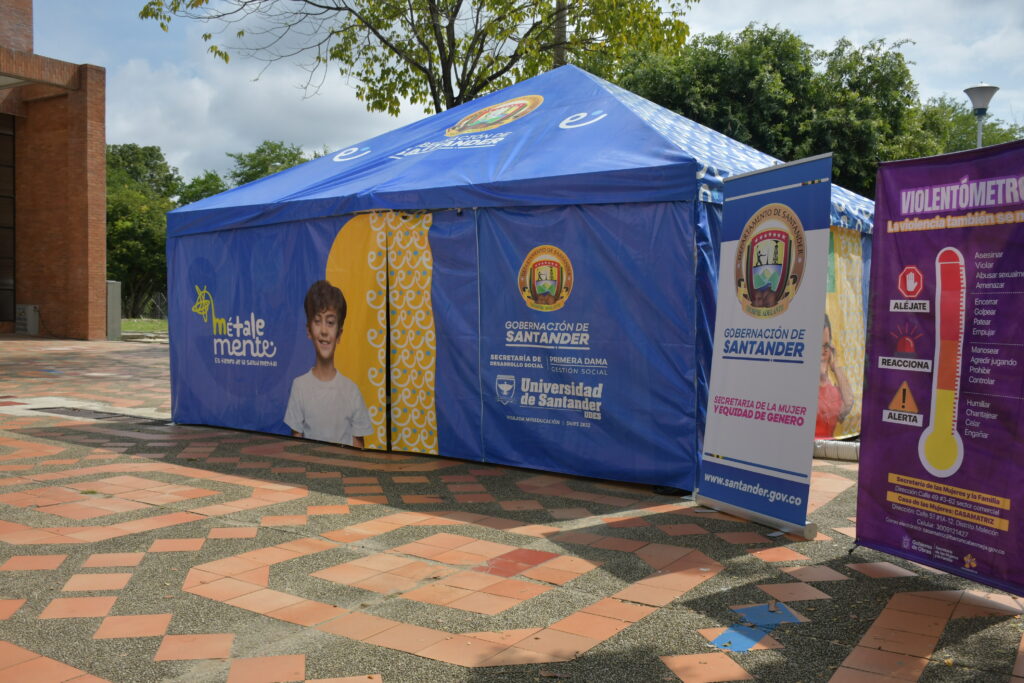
{"x":140,"y":187}
{"x":207,"y":184}
{"x":438,"y":53}
{"x":144,"y":165}
{"x":768,"y":88}
{"x":269,"y":157}
{"x":951,"y":126}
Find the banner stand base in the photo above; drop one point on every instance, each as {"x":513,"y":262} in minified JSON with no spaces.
{"x":809,"y":531}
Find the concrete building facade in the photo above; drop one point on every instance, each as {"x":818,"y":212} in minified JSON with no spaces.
{"x":52,"y":185}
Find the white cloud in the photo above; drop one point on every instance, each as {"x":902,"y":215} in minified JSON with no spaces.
{"x":163,"y":89}
{"x":200,"y":110}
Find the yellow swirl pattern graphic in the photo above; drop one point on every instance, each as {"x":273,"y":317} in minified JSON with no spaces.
{"x":357,"y":264}
{"x":413,"y":341}
{"x":846,"y":312}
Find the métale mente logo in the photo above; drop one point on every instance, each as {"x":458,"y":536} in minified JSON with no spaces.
{"x":236,"y":341}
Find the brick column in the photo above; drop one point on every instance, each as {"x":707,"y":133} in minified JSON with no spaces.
{"x":16,"y":24}
{"x":60,"y":197}
{"x":87,"y":203}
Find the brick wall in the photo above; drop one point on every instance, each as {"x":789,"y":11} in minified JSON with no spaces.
{"x":16,"y":24}
{"x":60,"y":195}
{"x":60,"y":182}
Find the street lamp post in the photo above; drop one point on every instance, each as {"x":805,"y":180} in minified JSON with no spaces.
{"x":981,"y":95}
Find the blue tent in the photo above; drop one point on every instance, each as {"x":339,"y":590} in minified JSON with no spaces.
{"x":530,"y":280}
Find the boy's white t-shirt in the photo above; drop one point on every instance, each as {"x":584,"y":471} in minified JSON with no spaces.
{"x":327,"y":411}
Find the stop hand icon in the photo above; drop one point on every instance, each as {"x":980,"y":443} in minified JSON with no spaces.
{"x":911,"y":282}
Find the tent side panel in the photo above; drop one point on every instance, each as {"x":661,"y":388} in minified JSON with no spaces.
{"x":455,"y":299}
{"x":586,"y":341}
{"x":238,"y":330}
{"x":707,"y":239}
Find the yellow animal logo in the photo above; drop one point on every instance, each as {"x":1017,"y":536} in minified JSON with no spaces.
{"x":204,"y":307}
{"x":203,"y":304}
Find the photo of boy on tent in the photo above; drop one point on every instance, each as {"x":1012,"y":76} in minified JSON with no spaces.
{"x":324,"y":405}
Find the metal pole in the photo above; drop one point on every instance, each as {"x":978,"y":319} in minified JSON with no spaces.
{"x":981,"y":122}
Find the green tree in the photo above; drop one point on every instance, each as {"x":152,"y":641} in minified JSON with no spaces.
{"x":145,"y":165}
{"x":768,"y":88}
{"x":438,"y":53}
{"x":269,"y":157}
{"x":140,"y":190}
{"x":864,"y":112}
{"x":204,"y":185}
{"x":952,"y":127}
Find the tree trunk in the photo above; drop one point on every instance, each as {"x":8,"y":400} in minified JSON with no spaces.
{"x":560,"y":34}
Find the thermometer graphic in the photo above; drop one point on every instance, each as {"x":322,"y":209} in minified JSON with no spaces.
{"x":940,"y":449}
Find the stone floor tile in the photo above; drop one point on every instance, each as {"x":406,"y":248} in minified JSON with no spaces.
{"x":133,"y":626}
{"x":813,"y":573}
{"x":72,"y":608}
{"x":880,"y":570}
{"x":462,"y":650}
{"x":33,"y":562}
{"x":407,"y":638}
{"x":195,"y":646}
{"x":97,"y":582}
{"x":892,"y":664}
{"x":114,"y":560}
{"x":709,"y":667}
{"x":272,"y":669}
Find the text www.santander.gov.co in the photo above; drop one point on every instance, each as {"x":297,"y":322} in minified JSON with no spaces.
{"x":755,"y":489}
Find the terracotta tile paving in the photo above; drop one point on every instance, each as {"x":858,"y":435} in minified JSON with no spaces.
{"x":275,"y":669}
{"x":357,"y":625}
{"x":133,"y":626}
{"x":711,"y":667}
{"x":778,"y":555}
{"x":168,"y":545}
{"x":20,"y":665}
{"x":114,"y":560}
{"x":892,"y":664}
{"x":195,"y":646}
{"x":97,"y":582}
{"x":815,"y":573}
{"x":880,"y":570}
{"x":233,"y":532}
{"x":9,"y":606}
{"x":32,"y":562}
{"x":462,"y":650}
{"x":74,"y":608}
{"x":792,"y":592}
{"x":290,"y":514}
{"x":765,"y":643}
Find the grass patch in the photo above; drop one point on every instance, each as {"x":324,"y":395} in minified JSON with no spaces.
{"x":143,"y":325}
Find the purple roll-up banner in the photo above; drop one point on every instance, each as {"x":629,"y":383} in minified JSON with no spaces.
{"x":942,"y":451}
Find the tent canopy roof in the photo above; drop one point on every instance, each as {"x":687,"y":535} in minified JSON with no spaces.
{"x":563,"y":137}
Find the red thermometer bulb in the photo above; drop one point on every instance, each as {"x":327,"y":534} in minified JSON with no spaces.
{"x":940,"y":448}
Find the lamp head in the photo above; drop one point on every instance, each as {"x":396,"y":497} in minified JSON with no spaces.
{"x":981,"y":95}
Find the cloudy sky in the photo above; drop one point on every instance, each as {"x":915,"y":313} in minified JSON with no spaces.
{"x":163,"y":89}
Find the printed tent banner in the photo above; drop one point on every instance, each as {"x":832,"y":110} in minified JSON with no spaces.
{"x":942,"y":454}
{"x":526,"y":279}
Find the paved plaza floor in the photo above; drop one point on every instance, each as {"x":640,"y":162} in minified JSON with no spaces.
{"x":134,"y":549}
